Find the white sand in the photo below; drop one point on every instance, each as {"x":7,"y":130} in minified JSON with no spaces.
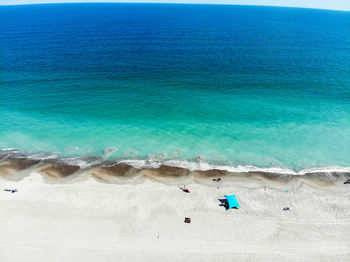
{"x":92,"y":221}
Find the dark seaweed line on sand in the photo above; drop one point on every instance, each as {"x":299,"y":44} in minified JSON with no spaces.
{"x":12,"y":161}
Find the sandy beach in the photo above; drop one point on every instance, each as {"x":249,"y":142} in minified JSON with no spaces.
{"x":83,"y":219}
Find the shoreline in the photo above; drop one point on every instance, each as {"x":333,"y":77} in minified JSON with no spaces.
{"x":15,"y":166}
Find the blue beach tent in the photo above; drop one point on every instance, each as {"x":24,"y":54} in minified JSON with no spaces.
{"x":232,"y":201}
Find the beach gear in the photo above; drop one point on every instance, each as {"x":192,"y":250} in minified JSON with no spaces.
{"x":232,"y":201}
{"x":187,"y":220}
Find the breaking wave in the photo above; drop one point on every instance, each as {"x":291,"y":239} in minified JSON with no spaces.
{"x":13,"y":162}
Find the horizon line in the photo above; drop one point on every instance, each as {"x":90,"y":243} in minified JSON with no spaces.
{"x":174,"y":3}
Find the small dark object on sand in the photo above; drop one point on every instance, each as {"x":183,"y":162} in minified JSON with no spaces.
{"x":217,"y":179}
{"x":187,"y":220}
{"x":286,"y":208}
{"x":11,"y":190}
{"x":347,"y":181}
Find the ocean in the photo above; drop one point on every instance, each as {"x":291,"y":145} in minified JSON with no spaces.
{"x":244,"y":87}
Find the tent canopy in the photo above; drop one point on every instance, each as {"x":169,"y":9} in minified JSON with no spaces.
{"x":232,"y":201}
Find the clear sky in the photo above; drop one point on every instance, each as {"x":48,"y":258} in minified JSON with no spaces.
{"x":323,"y":4}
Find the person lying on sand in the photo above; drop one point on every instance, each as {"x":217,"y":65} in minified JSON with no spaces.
{"x":187,"y":190}
{"x":10,"y":190}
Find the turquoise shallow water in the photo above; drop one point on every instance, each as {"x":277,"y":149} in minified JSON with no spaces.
{"x":237,"y":85}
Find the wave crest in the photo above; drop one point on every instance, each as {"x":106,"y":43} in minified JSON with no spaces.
{"x":13,"y":162}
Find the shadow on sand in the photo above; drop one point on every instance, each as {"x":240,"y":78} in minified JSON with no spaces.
{"x":223,"y":203}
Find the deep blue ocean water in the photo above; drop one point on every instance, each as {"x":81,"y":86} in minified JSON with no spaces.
{"x":237,"y":85}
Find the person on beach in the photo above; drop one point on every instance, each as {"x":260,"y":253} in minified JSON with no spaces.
{"x":10,"y":190}
{"x":187,"y":190}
